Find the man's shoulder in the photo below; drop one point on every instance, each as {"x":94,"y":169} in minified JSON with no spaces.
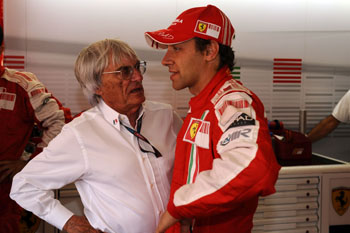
{"x":27,"y":76}
{"x":86,"y":117}
{"x":26,"y":80}
{"x":228,"y":87}
{"x":347,"y":95}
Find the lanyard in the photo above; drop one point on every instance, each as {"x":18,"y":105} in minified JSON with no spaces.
{"x":138,"y":135}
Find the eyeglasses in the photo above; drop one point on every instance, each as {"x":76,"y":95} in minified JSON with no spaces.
{"x":127,"y":72}
{"x":147,"y":147}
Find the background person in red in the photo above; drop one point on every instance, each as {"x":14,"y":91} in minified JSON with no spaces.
{"x":224,"y":159}
{"x":30,"y":117}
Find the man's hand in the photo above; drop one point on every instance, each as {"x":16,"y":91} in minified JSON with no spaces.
{"x":9,"y":168}
{"x":79,"y":224}
{"x":165,"y":222}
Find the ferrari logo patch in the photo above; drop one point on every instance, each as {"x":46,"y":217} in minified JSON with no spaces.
{"x":341,"y":200}
{"x":202,"y":27}
{"x":198,"y":133}
{"x":208,"y":29}
{"x":193,"y":129}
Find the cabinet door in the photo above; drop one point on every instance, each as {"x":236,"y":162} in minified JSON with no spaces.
{"x":293,"y":208}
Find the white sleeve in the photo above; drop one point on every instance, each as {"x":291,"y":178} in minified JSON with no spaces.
{"x":342,"y":110}
{"x":57,"y":166}
{"x":177,"y":123}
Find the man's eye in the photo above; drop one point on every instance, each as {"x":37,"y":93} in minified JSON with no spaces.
{"x":126,"y":70}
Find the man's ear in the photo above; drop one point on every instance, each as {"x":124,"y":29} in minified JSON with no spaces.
{"x":212,"y":50}
{"x":98,"y":91}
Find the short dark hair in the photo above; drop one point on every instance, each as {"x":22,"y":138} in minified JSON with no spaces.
{"x":227,"y":55}
{"x":1,"y":35}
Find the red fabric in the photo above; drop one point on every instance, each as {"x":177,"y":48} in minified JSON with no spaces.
{"x":292,"y":146}
{"x":2,"y":13}
{"x":9,"y":211}
{"x":2,"y":25}
{"x":231,"y":207}
{"x":17,"y":125}
{"x":208,"y":23}
{"x":18,"y":120}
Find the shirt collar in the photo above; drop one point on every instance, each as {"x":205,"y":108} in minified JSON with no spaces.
{"x":113,"y":117}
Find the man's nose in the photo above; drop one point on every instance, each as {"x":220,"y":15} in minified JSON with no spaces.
{"x":166,"y":59}
{"x":136,"y":76}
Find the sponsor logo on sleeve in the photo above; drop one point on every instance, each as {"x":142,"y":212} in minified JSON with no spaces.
{"x":238,"y":134}
{"x":37,"y":91}
{"x":242,"y":120}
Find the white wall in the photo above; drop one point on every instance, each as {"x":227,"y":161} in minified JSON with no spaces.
{"x":50,"y":34}
{"x":316,"y":30}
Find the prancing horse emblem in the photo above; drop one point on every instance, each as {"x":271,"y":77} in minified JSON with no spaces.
{"x":341,"y":200}
{"x":202,"y":27}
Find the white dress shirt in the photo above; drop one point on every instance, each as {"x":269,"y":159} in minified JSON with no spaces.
{"x":122,"y":189}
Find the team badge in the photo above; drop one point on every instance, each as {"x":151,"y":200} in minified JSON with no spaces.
{"x":7,"y":100}
{"x":193,"y":129}
{"x":242,"y":120}
{"x":198,"y":133}
{"x":202,"y":27}
{"x":208,"y":29}
{"x":341,"y":200}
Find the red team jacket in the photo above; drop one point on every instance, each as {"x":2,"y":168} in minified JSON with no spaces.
{"x":24,"y":102}
{"x":224,"y":159}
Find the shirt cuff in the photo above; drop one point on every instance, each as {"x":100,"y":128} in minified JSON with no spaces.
{"x":59,"y":216}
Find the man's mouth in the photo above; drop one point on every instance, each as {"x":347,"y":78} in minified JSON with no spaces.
{"x":172,"y":71}
{"x":172,"y":75}
{"x":137,"y":90}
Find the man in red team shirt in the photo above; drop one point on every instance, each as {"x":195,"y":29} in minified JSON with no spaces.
{"x":30,"y":117}
{"x":224,"y":159}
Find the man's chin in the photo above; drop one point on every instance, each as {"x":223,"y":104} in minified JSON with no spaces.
{"x":177,"y":87}
{"x":140,"y":99}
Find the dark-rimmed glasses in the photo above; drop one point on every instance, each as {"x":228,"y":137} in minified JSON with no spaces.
{"x":143,"y":139}
{"x":126,"y":72}
{"x":155,"y":151}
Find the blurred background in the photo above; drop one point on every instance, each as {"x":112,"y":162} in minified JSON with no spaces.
{"x":294,"y":54}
